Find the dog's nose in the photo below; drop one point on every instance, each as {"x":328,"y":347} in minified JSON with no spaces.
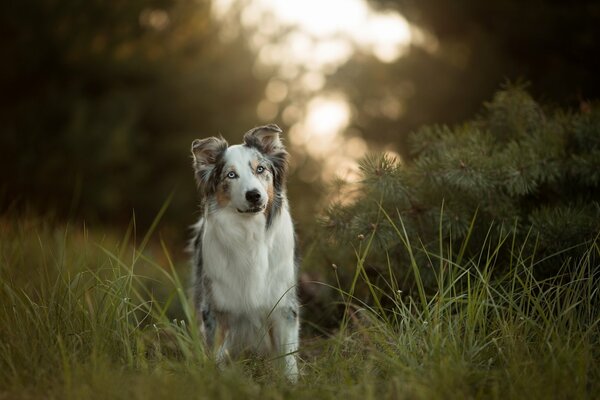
{"x":253,"y":196}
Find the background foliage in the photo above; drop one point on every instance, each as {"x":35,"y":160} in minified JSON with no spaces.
{"x":100,"y":100}
{"x":518,"y":170}
{"x":477,"y":46}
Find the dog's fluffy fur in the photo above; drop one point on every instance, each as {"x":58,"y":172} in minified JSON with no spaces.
{"x":244,"y":263}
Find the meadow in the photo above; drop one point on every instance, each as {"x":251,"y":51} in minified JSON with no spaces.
{"x":444,"y":180}
{"x":89,"y":314}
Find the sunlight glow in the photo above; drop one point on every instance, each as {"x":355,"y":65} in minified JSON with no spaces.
{"x":386,"y":33}
{"x":320,"y":32}
{"x":317,"y":17}
{"x":327,"y":116}
{"x":318,"y":133}
{"x":304,"y":41}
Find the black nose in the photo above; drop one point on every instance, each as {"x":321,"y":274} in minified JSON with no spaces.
{"x":253,"y":196}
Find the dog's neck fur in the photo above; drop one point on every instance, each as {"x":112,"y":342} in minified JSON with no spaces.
{"x":250,"y":270}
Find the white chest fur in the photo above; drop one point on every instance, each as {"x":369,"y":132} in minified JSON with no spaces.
{"x":250,"y":268}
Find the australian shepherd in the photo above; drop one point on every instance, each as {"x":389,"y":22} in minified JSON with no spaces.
{"x":244,"y":250}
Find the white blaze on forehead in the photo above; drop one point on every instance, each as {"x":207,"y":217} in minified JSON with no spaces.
{"x":240,"y":157}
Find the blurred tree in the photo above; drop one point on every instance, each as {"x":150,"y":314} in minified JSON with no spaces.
{"x":474,"y":47}
{"x":101,"y":100}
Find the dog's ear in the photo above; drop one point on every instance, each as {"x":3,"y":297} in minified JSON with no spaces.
{"x":206,"y":153}
{"x":265,"y":138}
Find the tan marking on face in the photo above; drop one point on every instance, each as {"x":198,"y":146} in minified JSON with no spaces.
{"x":271,"y":194}
{"x":223,"y":196}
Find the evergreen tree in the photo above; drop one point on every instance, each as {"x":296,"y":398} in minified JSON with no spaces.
{"x":519,"y":170}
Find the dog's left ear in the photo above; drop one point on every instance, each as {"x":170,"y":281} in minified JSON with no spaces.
{"x":265,"y":138}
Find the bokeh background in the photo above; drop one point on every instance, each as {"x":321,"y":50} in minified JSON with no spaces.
{"x":100,"y":100}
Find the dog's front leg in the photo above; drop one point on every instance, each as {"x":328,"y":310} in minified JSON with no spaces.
{"x":224,"y":353}
{"x":286,"y":339}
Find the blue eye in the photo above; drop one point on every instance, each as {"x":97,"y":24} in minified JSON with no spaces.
{"x":260,"y":169}
{"x":232,"y":175}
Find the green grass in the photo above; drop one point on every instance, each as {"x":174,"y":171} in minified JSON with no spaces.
{"x":83,"y":315}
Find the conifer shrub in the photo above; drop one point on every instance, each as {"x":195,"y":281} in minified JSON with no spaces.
{"x":518,"y":178}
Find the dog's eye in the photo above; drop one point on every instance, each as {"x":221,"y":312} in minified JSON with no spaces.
{"x":231,"y":175}
{"x":260,"y":169}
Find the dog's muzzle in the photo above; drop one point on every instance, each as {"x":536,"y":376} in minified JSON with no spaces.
{"x":253,"y":210}
{"x":254,"y":200}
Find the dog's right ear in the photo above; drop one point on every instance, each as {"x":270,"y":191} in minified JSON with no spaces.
{"x":265,"y":138}
{"x":207,"y":152}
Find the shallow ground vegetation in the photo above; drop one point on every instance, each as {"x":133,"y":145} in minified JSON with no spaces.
{"x":83,"y":315}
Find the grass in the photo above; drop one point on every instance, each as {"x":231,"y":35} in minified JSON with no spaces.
{"x":83,"y":315}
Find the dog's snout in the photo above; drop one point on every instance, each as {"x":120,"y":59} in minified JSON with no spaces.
{"x":253,"y":196}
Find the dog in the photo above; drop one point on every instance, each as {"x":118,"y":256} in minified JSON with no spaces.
{"x":244,"y":249}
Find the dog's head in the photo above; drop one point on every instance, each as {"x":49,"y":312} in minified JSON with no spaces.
{"x":247,"y":178}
